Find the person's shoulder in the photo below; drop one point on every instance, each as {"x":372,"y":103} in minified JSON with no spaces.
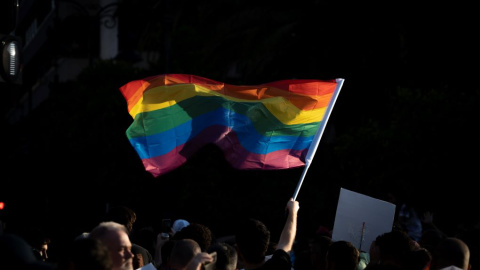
{"x":280,"y":260}
{"x":280,"y":253}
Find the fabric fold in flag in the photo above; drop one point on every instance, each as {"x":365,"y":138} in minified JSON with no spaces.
{"x":265,"y":127}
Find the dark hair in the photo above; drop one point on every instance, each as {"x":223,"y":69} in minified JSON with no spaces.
{"x":226,"y":256}
{"x":395,"y":246}
{"x":450,"y":251}
{"x":198,"y":232}
{"x":252,"y":238}
{"x":319,"y":245}
{"x":344,"y":255}
{"x":123,"y":215}
{"x":418,"y":259}
{"x":182,"y":252}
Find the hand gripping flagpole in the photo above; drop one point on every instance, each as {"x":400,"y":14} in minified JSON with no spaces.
{"x":316,"y":139}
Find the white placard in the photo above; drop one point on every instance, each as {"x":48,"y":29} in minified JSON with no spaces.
{"x":360,"y":219}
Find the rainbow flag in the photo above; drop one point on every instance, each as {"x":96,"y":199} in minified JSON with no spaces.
{"x":268,"y":127}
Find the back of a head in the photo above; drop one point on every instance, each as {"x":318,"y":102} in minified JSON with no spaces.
{"x":182,"y":252}
{"x":431,"y":238}
{"x":451,"y":252}
{"x":342,"y":255}
{"x":252,"y":239}
{"x":226,"y":256}
{"x":418,"y":259}
{"x":395,"y":246}
{"x":198,"y":232}
{"x":319,"y":245}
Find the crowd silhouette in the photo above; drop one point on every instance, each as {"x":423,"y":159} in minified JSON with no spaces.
{"x":117,"y":243}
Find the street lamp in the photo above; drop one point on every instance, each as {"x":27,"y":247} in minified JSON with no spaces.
{"x":11,"y":52}
{"x":10,"y":46}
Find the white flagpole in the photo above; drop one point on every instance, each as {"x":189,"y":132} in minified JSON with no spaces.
{"x":316,"y":139}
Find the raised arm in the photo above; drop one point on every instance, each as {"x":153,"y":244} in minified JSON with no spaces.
{"x":290,"y":229}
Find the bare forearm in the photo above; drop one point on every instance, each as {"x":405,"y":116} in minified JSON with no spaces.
{"x":287,"y":237}
{"x":288,"y":234}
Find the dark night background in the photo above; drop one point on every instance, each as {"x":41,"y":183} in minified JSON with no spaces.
{"x":406,"y":119}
